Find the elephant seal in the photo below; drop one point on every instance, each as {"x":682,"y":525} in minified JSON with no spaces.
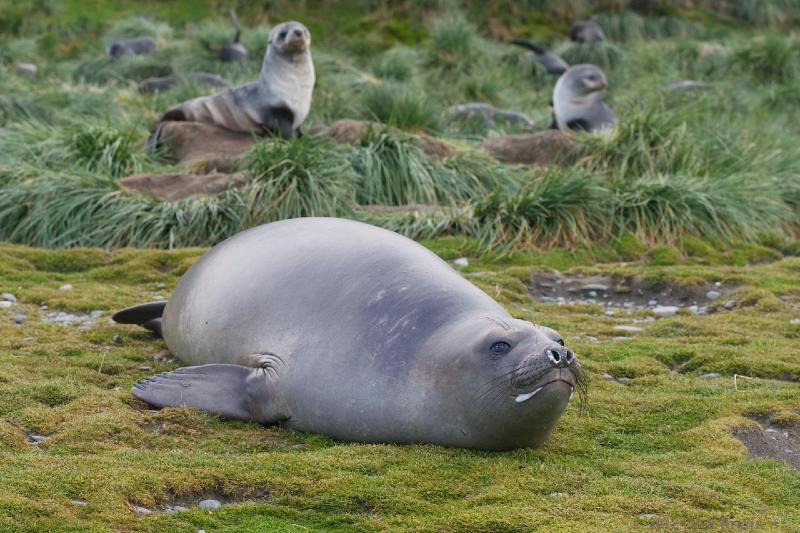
{"x":277,"y":103}
{"x":136,"y":46}
{"x":577,"y":101}
{"x":338,"y":327}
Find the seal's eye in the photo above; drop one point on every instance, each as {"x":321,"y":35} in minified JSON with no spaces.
{"x":499,"y":348}
{"x":560,"y":341}
{"x":282,"y":35}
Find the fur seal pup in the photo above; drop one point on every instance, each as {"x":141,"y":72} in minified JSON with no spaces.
{"x":586,"y":31}
{"x":490,"y":114}
{"x":137,"y":46}
{"x":552,"y":63}
{"x":277,"y":103}
{"x":338,"y":327}
{"x":236,"y":50}
{"x":577,"y":102}
{"x":164,"y":83}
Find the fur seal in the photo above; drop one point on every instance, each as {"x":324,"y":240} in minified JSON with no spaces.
{"x":338,"y":327}
{"x":490,"y":113}
{"x":586,"y":31}
{"x":552,"y":63}
{"x":164,"y":83}
{"x":236,"y":50}
{"x":136,"y":46}
{"x":577,"y":102}
{"x":277,"y":103}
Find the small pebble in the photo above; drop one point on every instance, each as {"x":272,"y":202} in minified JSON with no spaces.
{"x":461,"y":261}
{"x":65,"y":287}
{"x":713,"y":295}
{"x":623,"y":380}
{"x":729,"y":304}
{"x":19,"y":319}
{"x":161,"y":285}
{"x":665,"y":310}
{"x":8,"y":297}
{"x":595,"y":287}
{"x":158,"y":298}
{"x":694,"y":309}
{"x":141,"y":511}
{"x":159,"y":357}
{"x":608,"y":312}
{"x":209,"y":504}
{"x":116,"y":339}
{"x":5,"y":305}
{"x":36,"y":438}
{"x":28,"y":70}
{"x":591,"y":339}
{"x":630,"y":329}
{"x":78,"y":502}
{"x":652,"y":303}
{"x":561,"y":300}
{"x":718,"y":284}
{"x":794,"y":321}
{"x":608,"y":377}
{"x":179,"y":508}
{"x":592,"y":294}
{"x":145,"y":368}
{"x":711,"y":375}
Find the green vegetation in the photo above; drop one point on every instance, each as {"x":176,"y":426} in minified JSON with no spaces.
{"x":693,"y":188}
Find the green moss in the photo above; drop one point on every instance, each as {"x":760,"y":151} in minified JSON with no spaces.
{"x":663,"y":256}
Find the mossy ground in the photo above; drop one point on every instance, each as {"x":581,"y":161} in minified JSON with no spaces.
{"x":656,"y":452}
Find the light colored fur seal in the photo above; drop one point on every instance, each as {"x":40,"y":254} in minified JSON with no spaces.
{"x":339,"y":327}
{"x":277,"y":103}
{"x":577,"y":101}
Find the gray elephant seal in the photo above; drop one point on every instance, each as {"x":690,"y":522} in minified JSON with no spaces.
{"x":277,"y":103}
{"x":136,"y":46}
{"x":339,"y":327}
{"x":586,"y":31}
{"x":577,"y":101}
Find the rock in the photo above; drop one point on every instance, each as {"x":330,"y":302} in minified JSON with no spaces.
{"x":561,"y":300}
{"x":630,"y":329}
{"x":557,"y":494}
{"x":594,"y":287}
{"x":591,"y":339}
{"x":694,"y":309}
{"x":145,"y":368}
{"x":209,"y":504}
{"x":652,"y":303}
{"x":27,"y":70}
{"x":648,"y":516}
{"x":618,"y":339}
{"x":608,"y":312}
{"x":607,"y":377}
{"x":141,"y":511}
{"x":158,"y":298}
{"x":542,"y":148}
{"x":461,"y":261}
{"x":174,"y":186}
{"x":794,"y":321}
{"x":5,"y":305}
{"x":36,"y":438}
{"x":65,"y":287}
{"x":711,"y":375}
{"x":161,"y":285}
{"x":164,"y":83}
{"x":203,"y":148}
{"x":159,"y":357}
{"x":665,"y":310}
{"x":78,"y":502}
{"x":730,"y":304}
{"x":713,"y":295}
{"x":8,"y":297}
{"x":623,"y":380}
{"x":179,"y":508}
{"x":95,"y":314}
{"x":116,"y":339}
{"x":19,"y":319}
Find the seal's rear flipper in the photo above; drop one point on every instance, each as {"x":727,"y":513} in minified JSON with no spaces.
{"x":231,"y":391}
{"x":146,"y":315}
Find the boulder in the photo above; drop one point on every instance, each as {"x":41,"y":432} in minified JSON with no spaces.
{"x":542,"y":148}
{"x":176,"y":186}
{"x":203,"y":148}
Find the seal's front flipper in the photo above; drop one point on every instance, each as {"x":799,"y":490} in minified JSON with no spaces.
{"x":146,"y":315}
{"x":231,"y":391}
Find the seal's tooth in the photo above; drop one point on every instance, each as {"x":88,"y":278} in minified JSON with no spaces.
{"x":523,"y":397}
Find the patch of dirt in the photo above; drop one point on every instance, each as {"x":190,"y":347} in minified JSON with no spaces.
{"x":175,"y":186}
{"x":628,"y":292}
{"x":184,"y":501}
{"x":542,"y":148}
{"x":772,"y":441}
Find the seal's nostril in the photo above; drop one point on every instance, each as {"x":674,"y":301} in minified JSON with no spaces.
{"x":298,"y":33}
{"x":554,"y":355}
{"x":570,"y":356}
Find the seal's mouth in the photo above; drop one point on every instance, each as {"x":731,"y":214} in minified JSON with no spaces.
{"x":296,"y":44}
{"x":557,"y":375}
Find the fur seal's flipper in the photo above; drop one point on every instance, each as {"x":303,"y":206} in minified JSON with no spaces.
{"x":142,"y":315}
{"x":279,"y":121}
{"x":230,"y":391}
{"x":552,"y":63}
{"x":236,"y":26}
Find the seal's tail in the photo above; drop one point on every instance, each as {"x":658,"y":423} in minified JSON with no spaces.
{"x":146,"y":315}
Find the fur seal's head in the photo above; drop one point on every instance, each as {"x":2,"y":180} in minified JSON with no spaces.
{"x":514,"y":379}
{"x":581,"y":81}
{"x":289,"y":38}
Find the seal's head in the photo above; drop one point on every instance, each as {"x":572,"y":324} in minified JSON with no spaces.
{"x":581,"y":81}
{"x":289,"y":38}
{"x":514,"y":379}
